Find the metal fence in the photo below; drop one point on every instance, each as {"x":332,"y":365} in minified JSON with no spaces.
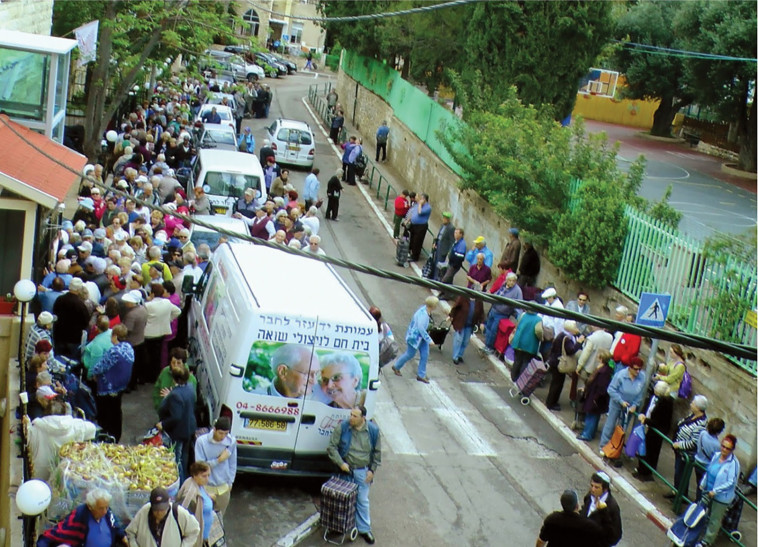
{"x":710,"y":294}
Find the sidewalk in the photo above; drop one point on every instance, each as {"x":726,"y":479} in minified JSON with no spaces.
{"x":647,"y":495}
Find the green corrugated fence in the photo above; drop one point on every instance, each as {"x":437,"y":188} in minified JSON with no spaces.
{"x":414,"y":108}
{"x":709,"y":294}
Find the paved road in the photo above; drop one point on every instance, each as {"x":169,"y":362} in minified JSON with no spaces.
{"x":710,"y":200}
{"x":463,"y":463}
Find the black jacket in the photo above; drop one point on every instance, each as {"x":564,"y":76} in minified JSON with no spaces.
{"x":333,"y":187}
{"x":609,"y":519}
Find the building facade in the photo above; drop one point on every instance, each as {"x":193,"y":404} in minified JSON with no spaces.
{"x":33,"y":16}
{"x":269,"y":21}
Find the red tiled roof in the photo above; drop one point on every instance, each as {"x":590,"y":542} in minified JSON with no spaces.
{"x":25,"y":163}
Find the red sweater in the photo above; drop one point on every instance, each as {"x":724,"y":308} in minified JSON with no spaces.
{"x":627,"y":347}
{"x":401,"y":206}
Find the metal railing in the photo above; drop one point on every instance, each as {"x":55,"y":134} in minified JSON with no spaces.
{"x":682,"y":489}
{"x":705,"y":290}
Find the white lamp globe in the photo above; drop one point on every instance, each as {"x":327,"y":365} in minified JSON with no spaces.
{"x":111,"y":136}
{"x":24,"y":290}
{"x":33,"y":497}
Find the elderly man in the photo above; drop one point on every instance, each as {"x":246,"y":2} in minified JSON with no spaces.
{"x":91,"y":523}
{"x":295,"y":369}
{"x":314,"y":246}
{"x":417,"y":339}
{"x":443,"y":243}
{"x":501,"y":311}
{"x":73,"y":317}
{"x":134,"y":318}
{"x":512,"y":250}
{"x":479,"y":274}
{"x":246,"y":205}
{"x":551,"y":326}
{"x":480,"y":246}
{"x":39,"y":331}
{"x":568,"y":527}
{"x":341,"y":377}
{"x":581,"y":305}
{"x":174,"y":524}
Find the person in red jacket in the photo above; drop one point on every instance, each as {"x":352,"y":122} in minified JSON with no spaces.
{"x":402,"y":204}
{"x":625,"y":345}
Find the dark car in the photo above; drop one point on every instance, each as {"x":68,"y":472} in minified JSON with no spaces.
{"x":269,"y":59}
{"x":291,"y":66}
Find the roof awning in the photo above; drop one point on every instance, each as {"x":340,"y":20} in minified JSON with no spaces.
{"x":277,"y":22}
{"x":26,"y":169}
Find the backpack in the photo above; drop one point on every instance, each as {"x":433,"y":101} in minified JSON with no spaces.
{"x":361,"y":162}
{"x":685,"y":388}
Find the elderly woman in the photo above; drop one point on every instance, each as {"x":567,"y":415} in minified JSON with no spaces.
{"x":417,"y":338}
{"x":160,"y":313}
{"x":720,"y":482}
{"x":193,"y":497}
{"x":658,"y":414}
{"x":625,"y":391}
{"x":685,"y":439}
{"x":596,"y":395}
{"x":568,"y":341}
{"x":341,"y":377}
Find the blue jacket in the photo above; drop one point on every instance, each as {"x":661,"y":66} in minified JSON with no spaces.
{"x":726,"y":478}
{"x":471,"y":256}
{"x":114,"y":369}
{"x":417,"y":329}
{"x":624,"y":389}
{"x":524,"y":338}
{"x":355,"y":151}
{"x":422,"y":217}
{"x":73,"y":529}
{"x":310,"y":190}
{"x":346,"y":154}
{"x":457,"y":253}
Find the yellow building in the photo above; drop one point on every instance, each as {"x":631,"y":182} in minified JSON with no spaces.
{"x":276,"y":20}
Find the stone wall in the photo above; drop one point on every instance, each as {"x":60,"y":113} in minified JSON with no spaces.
{"x":730,"y":390}
{"x":33,"y":16}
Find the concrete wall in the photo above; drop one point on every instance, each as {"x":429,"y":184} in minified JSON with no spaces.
{"x":730,"y":390}
{"x":621,"y":112}
{"x":33,"y":16}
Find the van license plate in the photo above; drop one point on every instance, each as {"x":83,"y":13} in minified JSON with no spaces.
{"x":219,"y":210}
{"x":266,"y":425}
{"x":293,"y":147}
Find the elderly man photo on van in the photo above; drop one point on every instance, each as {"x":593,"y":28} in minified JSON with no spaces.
{"x":295,"y":368}
{"x":341,"y":376}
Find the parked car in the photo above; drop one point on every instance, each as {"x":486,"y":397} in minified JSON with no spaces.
{"x":217,"y":135}
{"x":267,"y":58}
{"x":291,"y":65}
{"x":226,"y":63}
{"x":218,"y":98}
{"x":293,"y":142}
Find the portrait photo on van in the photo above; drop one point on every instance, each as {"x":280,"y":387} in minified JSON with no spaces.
{"x":334,"y":377}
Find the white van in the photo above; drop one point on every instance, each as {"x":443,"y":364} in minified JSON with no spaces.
{"x":284,"y":348}
{"x":225,"y":175}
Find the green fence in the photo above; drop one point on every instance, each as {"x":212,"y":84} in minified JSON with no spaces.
{"x":414,"y":108}
{"x":709,"y":295}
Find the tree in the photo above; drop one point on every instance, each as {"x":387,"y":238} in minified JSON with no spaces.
{"x":363,"y":36}
{"x":727,"y":87}
{"x":135,"y":36}
{"x":649,"y":74}
{"x":542,"y":48}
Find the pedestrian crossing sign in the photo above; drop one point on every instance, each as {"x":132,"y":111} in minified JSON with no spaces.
{"x":653,"y":309}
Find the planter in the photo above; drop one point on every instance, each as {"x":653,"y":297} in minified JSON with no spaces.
{"x":7,"y":308}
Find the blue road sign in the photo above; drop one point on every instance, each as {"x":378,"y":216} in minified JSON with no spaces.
{"x":653,"y":309}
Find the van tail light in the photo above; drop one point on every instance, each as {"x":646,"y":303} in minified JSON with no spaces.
{"x":199,"y":123}
{"x":226,"y":411}
{"x":273,"y":146}
{"x":311,"y":151}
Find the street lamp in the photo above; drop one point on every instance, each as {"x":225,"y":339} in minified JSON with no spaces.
{"x":24,"y":290}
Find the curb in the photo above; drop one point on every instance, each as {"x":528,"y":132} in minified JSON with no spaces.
{"x":650,"y":510}
{"x":305,"y":529}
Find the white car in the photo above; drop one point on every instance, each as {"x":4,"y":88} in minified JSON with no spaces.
{"x":224,"y":112}
{"x":218,"y":98}
{"x":292,"y":142}
{"x":217,"y":135}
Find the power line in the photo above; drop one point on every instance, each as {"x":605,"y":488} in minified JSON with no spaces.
{"x":691,"y":340}
{"x":368,"y":16}
{"x":658,"y":50}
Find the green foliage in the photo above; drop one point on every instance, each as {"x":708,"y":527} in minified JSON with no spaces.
{"x":361,"y":36}
{"x":542,"y":48}
{"x":663,"y":212}
{"x":589,"y":238}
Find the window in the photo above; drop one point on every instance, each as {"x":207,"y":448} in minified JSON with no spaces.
{"x":253,"y":22}
{"x":297,"y":34}
{"x":294,"y":136}
{"x":23,"y":83}
{"x":228,"y":184}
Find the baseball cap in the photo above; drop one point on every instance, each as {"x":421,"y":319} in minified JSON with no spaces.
{"x":88,"y":204}
{"x":86,"y":246}
{"x":100,"y":233}
{"x":76,"y":284}
{"x":45,"y":318}
{"x":479,"y":239}
{"x":159,"y":499}
{"x":133,"y":297}
{"x":514,"y":231}
{"x":447,"y":214}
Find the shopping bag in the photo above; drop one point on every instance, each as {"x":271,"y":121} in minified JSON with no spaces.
{"x":217,"y":537}
{"x":156,"y":437}
{"x":635,"y":446}
{"x":615,"y":446}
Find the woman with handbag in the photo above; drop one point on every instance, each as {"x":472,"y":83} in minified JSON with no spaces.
{"x":193,"y":497}
{"x":562,"y":361}
{"x":595,"y":395}
{"x":720,"y":485}
{"x":658,"y":414}
{"x":625,"y":391}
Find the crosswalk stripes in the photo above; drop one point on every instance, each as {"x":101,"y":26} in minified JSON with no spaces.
{"x":393,"y":431}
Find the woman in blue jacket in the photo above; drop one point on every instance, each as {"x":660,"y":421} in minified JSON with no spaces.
{"x":418,"y":339}
{"x":720,"y":482}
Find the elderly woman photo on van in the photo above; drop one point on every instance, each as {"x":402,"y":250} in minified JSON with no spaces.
{"x":341,"y":376}
{"x":295,"y":369}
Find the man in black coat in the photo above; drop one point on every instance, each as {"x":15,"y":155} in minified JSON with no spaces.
{"x":333,"y":192}
{"x":73,"y":318}
{"x":177,"y":414}
{"x":568,"y":528}
{"x":600,"y":506}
